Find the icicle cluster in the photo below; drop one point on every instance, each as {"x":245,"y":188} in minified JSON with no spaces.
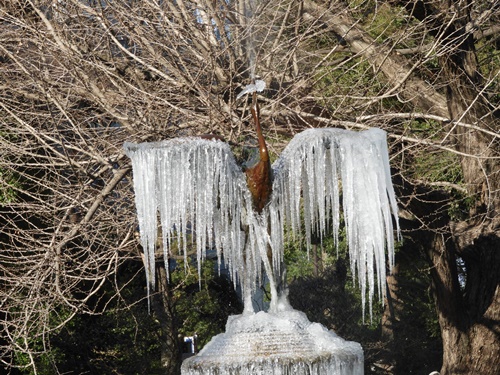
{"x":313,"y":169}
{"x":197,"y":190}
{"x":199,"y":194}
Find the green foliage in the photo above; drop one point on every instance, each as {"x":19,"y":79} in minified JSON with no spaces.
{"x":438,"y":166}
{"x":386,"y":22}
{"x":322,"y":286}
{"x":488,"y":55}
{"x":339,"y":86}
{"x":439,"y":169}
{"x":327,"y":293}
{"x":297,"y":260}
{"x":424,"y":128}
{"x":460,"y":205}
{"x":203,"y":304}
{"x":125,"y":338}
{"x":335,"y":81}
{"x":8,"y":183}
{"x":435,"y":165}
{"x":45,"y":360}
{"x":417,"y":340}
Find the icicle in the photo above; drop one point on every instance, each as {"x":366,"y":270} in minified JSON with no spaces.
{"x":146,"y":204}
{"x":198,"y":190}
{"x":311,"y":163}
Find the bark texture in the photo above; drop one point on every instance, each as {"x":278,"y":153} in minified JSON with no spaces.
{"x":469,"y":319}
{"x":471,"y":335}
{"x":164,"y":309}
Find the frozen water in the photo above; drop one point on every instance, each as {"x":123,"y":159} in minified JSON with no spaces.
{"x":201,"y":197}
{"x":312,"y":168}
{"x":279,"y":343}
{"x":258,"y":86}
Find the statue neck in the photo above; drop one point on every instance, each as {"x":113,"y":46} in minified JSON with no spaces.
{"x":264,"y":155}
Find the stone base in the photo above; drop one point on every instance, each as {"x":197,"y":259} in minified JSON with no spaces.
{"x":284,"y":343}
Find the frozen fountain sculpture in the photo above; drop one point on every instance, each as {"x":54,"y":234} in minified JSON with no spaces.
{"x":195,"y":187}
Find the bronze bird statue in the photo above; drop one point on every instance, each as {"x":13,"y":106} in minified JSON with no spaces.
{"x":188,"y":182}
{"x":258,"y":169}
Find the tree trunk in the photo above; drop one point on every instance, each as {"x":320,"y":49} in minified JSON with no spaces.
{"x":391,"y":306}
{"x":469,"y":320}
{"x":466,"y":103}
{"x":482,"y":295}
{"x":389,"y":320}
{"x":163,"y":308}
{"x":469,"y":325}
{"x":449,"y":305}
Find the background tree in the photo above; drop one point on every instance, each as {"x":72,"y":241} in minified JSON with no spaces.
{"x":80,"y":77}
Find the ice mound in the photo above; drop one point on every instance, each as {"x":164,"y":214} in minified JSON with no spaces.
{"x":283,"y":343}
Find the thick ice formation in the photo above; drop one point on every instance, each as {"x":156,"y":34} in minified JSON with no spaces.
{"x":313,"y":167}
{"x":282,"y":343}
{"x":201,"y":196}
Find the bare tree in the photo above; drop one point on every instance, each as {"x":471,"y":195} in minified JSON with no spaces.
{"x":459,"y":93}
{"x":78,"y":78}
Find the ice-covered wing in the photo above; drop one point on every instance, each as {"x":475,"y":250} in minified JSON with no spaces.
{"x":197,"y":191}
{"x":308,"y":177}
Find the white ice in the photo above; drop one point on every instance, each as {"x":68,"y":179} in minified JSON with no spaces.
{"x":276,"y":344}
{"x":200,"y":195}
{"x":258,"y":86}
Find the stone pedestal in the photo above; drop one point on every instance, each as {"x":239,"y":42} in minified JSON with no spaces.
{"x":284,"y":343}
